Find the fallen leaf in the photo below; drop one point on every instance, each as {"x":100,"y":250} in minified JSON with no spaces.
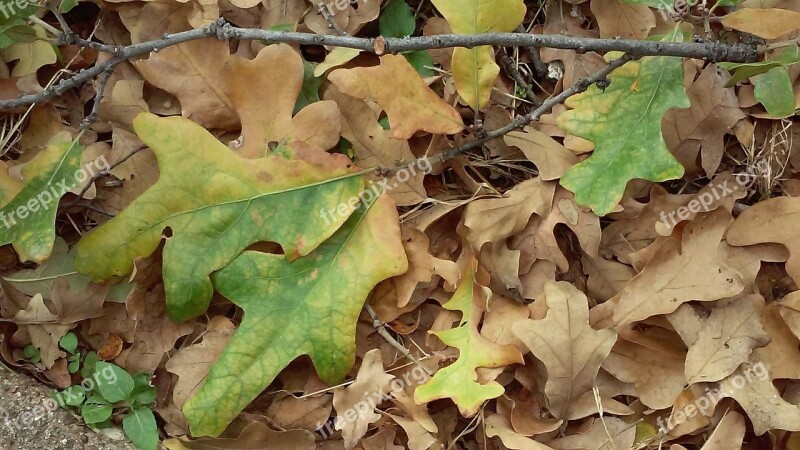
{"x":769,"y":23}
{"x":474,"y":70}
{"x":621,"y":19}
{"x":498,"y":426}
{"x":47,"y":177}
{"x":624,"y":121}
{"x":681,"y":270}
{"x":459,"y":380}
{"x":726,"y":340}
{"x":192,"y":71}
{"x":237,"y":208}
{"x":398,"y":89}
{"x":570,"y":349}
{"x":713,"y":113}
{"x":772,"y":220}
{"x":263,"y":92}
{"x":326,"y":291}
{"x":371,"y":382}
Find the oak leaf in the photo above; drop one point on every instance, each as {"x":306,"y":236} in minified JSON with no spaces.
{"x":726,"y":340}
{"x":622,"y":19}
{"x":375,"y":146}
{"x":768,"y":23}
{"x":760,"y":399}
{"x":571,"y":350}
{"x":772,"y":220}
{"x":27,"y":221}
{"x":371,"y":382}
{"x":702,"y":127}
{"x":263,"y":92}
{"x":495,"y":219}
{"x":681,"y":270}
{"x":312,"y":307}
{"x":216,"y":204}
{"x":459,"y":380}
{"x":474,"y":69}
{"x":397,"y":88}
{"x":624,"y":122}
{"x":192,"y":71}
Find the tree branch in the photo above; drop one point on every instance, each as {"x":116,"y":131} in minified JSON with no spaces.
{"x":222,"y":30}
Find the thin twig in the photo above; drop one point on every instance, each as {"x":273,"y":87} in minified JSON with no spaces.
{"x":329,"y":17}
{"x":61,"y":21}
{"x":380,"y":327}
{"x":508,"y":66}
{"x":102,"y":82}
{"x":538,"y":65}
{"x":520,"y":121}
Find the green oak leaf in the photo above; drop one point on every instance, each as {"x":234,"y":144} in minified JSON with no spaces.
{"x":741,"y":71}
{"x":59,"y":265}
{"x":28,"y":220}
{"x":397,"y":20}
{"x":306,"y":307}
{"x":774,"y":90}
{"x":459,"y":381}
{"x":624,"y":122}
{"x":309,"y":93}
{"x":217,"y":204}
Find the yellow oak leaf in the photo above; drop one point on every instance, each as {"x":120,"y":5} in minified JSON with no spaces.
{"x":397,"y":87}
{"x":474,"y":69}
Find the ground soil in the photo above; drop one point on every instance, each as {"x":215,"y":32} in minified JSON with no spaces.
{"x":21,"y":398}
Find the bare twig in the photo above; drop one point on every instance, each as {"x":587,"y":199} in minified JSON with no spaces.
{"x":508,"y":66}
{"x":380,"y":327}
{"x":61,"y":21}
{"x":520,"y":121}
{"x":102,"y":82}
{"x":538,"y":65}
{"x":222,"y":30}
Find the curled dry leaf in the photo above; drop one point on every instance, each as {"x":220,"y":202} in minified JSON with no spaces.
{"x":371,"y":382}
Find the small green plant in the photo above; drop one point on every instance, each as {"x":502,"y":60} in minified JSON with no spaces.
{"x":109,"y":391}
{"x":32,"y":353}
{"x":70,"y":344}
